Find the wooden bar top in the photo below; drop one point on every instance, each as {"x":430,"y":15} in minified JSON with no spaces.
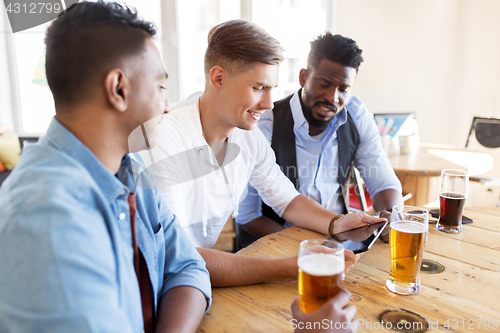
{"x":465,"y":296}
{"x":419,"y":172}
{"x":430,"y":159}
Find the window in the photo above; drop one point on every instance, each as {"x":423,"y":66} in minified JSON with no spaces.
{"x":188,"y":23}
{"x":283,"y":20}
{"x":35,"y":99}
{"x":195,"y":18}
{"x":36,"y":105}
{"x":278,"y":18}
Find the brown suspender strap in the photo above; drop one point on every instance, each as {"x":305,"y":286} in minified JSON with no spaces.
{"x":141,"y":270}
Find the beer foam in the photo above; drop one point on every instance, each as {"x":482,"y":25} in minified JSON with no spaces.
{"x":410,"y":227}
{"x":321,"y":265}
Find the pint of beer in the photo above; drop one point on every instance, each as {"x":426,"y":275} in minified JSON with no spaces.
{"x":321,"y":269}
{"x":453,"y":188}
{"x":409,"y":226}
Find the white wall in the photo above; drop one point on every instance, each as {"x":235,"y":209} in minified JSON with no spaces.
{"x":440,"y":59}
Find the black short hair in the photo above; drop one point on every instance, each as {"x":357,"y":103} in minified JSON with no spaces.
{"x":85,"y":42}
{"x":335,"y":48}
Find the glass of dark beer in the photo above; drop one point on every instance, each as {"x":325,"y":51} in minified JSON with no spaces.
{"x":321,"y":270}
{"x":453,"y":188}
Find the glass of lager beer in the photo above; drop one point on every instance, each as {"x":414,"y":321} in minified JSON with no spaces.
{"x":453,"y":188}
{"x":321,"y":269}
{"x":409,"y":227}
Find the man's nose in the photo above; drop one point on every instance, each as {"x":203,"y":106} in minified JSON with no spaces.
{"x":266,"y":103}
{"x":332,"y":96}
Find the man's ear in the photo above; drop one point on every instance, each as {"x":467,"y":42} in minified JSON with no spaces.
{"x":217,"y":77}
{"x":117,"y":89}
{"x":303,"y":74}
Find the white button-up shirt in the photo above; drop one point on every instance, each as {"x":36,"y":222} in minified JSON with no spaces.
{"x":199,"y":191}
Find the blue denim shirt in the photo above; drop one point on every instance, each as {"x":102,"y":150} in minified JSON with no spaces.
{"x":66,"y":247}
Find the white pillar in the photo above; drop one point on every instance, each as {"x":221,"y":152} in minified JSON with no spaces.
{"x":170,"y":47}
{"x":246,"y":9}
{"x":331,"y":15}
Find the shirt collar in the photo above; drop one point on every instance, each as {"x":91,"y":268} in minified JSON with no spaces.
{"x":125,"y":174}
{"x":191,"y":119}
{"x":63,"y":140}
{"x":299,"y":120}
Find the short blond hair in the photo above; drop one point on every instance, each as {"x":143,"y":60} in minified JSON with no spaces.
{"x":236,"y":44}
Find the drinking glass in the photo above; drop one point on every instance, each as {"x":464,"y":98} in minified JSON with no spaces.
{"x":453,"y":188}
{"x":409,"y":227}
{"x":321,"y":270}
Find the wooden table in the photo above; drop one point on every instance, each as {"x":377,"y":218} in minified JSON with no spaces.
{"x":419,"y":173}
{"x":468,"y":289}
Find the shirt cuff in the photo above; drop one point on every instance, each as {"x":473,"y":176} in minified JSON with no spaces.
{"x":396,"y":187}
{"x":198,"y":280}
{"x":280,"y":210}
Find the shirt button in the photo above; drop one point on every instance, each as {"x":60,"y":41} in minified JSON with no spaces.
{"x":123,"y":191}
{"x":122,"y":216}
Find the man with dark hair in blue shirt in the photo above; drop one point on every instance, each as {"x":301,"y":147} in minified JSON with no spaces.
{"x":82,"y":247}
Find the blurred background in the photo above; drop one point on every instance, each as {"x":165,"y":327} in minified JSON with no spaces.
{"x":438,"y":59}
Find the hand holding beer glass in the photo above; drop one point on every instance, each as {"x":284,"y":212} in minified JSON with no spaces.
{"x":453,"y":188}
{"x":409,"y":227}
{"x":321,"y":269}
